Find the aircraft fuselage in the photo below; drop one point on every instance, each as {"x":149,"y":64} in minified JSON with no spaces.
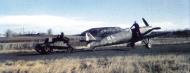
{"x":118,"y":38}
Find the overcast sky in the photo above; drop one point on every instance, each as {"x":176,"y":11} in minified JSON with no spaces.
{"x":75,"y":16}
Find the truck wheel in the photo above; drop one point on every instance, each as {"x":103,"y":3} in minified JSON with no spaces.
{"x":47,"y":50}
{"x":42,"y":49}
{"x":39,"y":48}
{"x":70,"y":50}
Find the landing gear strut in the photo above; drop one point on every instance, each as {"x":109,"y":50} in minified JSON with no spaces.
{"x":147,"y":43}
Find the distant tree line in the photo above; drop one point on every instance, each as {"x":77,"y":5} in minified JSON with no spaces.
{"x":177,"y":33}
{"x":100,"y":32}
{"x":104,"y":31}
{"x":10,"y":33}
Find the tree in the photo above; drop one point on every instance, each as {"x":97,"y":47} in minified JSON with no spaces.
{"x":8,"y":33}
{"x":49,"y":32}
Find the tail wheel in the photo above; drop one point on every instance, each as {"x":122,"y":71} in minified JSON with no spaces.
{"x":131,"y":45}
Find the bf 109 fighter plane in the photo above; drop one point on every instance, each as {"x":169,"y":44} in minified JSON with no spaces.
{"x":128,"y":35}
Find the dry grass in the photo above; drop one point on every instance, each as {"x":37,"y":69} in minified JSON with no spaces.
{"x":161,"y":59}
{"x":115,"y":64}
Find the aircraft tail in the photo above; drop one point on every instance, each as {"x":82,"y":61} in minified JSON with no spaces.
{"x":89,"y":37}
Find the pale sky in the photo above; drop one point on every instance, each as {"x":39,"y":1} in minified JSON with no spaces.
{"x":76,"y":16}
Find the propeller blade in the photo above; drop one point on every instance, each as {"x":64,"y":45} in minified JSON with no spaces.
{"x":145,"y":22}
{"x":155,"y":28}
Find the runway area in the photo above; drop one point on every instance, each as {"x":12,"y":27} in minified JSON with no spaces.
{"x":159,"y":49}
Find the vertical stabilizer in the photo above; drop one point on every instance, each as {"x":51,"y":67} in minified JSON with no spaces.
{"x":89,"y":37}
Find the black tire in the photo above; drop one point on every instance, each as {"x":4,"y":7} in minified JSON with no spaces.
{"x":132,"y":45}
{"x":147,"y":43}
{"x":70,"y":48}
{"x":149,"y":46}
{"x":47,"y":50}
{"x":39,"y":48}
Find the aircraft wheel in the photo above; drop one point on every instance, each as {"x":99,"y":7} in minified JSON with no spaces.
{"x":131,"y":45}
{"x":148,"y":45}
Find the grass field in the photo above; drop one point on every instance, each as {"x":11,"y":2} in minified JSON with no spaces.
{"x":170,"y":58}
{"x":116,"y":64}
